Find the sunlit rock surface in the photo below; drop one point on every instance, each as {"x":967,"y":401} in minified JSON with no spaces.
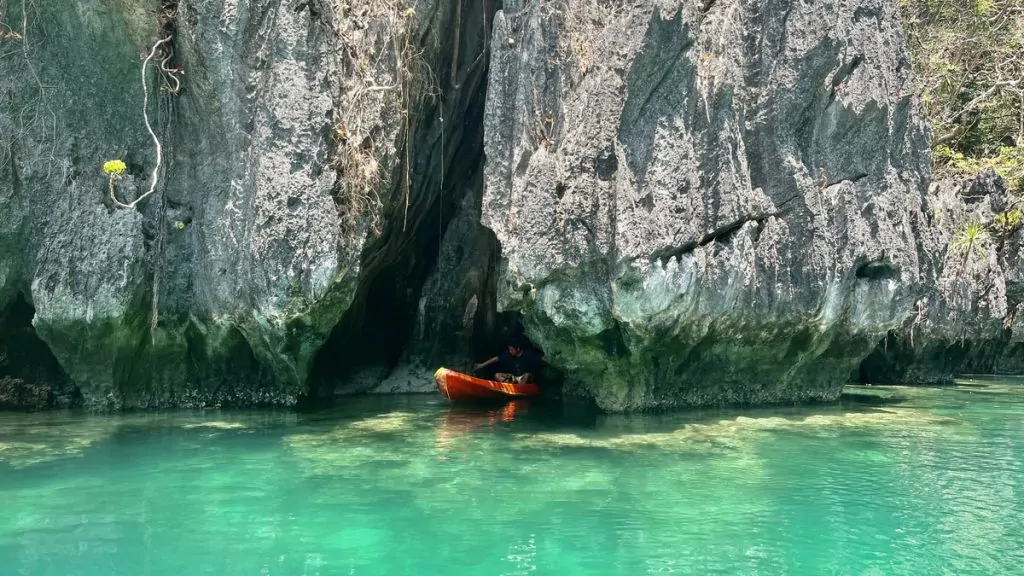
{"x":707,"y":203}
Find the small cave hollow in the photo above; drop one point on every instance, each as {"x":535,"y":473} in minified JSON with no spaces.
{"x":30,"y":375}
{"x":877,"y":270}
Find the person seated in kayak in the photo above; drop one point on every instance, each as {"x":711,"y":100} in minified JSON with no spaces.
{"x":515,"y":364}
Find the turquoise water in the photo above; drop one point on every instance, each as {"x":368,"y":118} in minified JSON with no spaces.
{"x":902,"y":481}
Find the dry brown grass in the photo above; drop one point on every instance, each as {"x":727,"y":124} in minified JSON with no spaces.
{"x":386,"y":76}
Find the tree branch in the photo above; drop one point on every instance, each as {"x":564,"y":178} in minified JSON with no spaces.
{"x":980,"y":98}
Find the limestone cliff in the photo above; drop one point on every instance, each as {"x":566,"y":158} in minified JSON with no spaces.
{"x":304,"y":145}
{"x":966,"y":318}
{"x":718,"y":206}
{"x":689,"y":202}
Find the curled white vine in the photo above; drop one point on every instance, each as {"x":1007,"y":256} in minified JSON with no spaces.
{"x":170,"y":74}
{"x":152,"y":134}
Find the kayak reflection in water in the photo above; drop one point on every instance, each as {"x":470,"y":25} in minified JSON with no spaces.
{"x":516,"y":363}
{"x":457,"y":423}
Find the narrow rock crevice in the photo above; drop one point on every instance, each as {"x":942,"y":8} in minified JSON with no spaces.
{"x":723,"y":235}
{"x":446,"y":156}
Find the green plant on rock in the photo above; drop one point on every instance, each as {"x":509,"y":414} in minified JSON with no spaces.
{"x":1006,"y":223}
{"x":971,"y":239}
{"x":114,"y":169}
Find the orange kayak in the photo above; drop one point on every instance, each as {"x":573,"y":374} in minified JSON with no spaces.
{"x":458,"y":386}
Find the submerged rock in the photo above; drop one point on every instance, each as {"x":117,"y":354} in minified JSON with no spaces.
{"x":740,"y":432}
{"x":29,"y":440}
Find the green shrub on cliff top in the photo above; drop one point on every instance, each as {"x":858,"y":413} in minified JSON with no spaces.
{"x":1008,"y":162}
{"x":967,"y":60}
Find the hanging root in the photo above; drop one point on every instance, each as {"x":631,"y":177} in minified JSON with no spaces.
{"x":172,"y":83}
{"x":149,"y":127}
{"x":167,"y":18}
{"x":386,"y":76}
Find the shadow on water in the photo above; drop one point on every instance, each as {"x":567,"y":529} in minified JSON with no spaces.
{"x":861,"y":395}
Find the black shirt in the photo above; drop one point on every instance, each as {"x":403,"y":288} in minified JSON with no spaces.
{"x":528,"y":361}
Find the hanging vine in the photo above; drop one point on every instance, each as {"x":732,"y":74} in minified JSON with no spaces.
{"x":160,"y":55}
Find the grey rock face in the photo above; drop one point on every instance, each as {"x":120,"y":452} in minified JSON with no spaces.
{"x":689,"y":203}
{"x":222,"y":287}
{"x":17,"y":395}
{"x":238,"y":255}
{"x":701,"y":204}
{"x":967,"y":317}
{"x":62,"y":115}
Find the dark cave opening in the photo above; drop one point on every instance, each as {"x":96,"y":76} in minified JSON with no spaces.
{"x":379,"y":325}
{"x":30,"y":375}
{"x":898,"y":360}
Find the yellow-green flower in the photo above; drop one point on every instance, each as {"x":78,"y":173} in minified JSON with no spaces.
{"x":114,"y":168}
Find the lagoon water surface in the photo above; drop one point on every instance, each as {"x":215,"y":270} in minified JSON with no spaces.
{"x":890,"y":482}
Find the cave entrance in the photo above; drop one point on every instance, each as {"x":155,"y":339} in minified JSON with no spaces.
{"x":445,"y":158}
{"x":30,"y":375}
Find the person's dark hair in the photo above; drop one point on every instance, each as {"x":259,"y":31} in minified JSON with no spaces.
{"x":518,"y":342}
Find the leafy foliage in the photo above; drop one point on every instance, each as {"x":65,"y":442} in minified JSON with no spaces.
{"x":1008,"y":162}
{"x":967,"y":58}
{"x":1006,"y":223}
